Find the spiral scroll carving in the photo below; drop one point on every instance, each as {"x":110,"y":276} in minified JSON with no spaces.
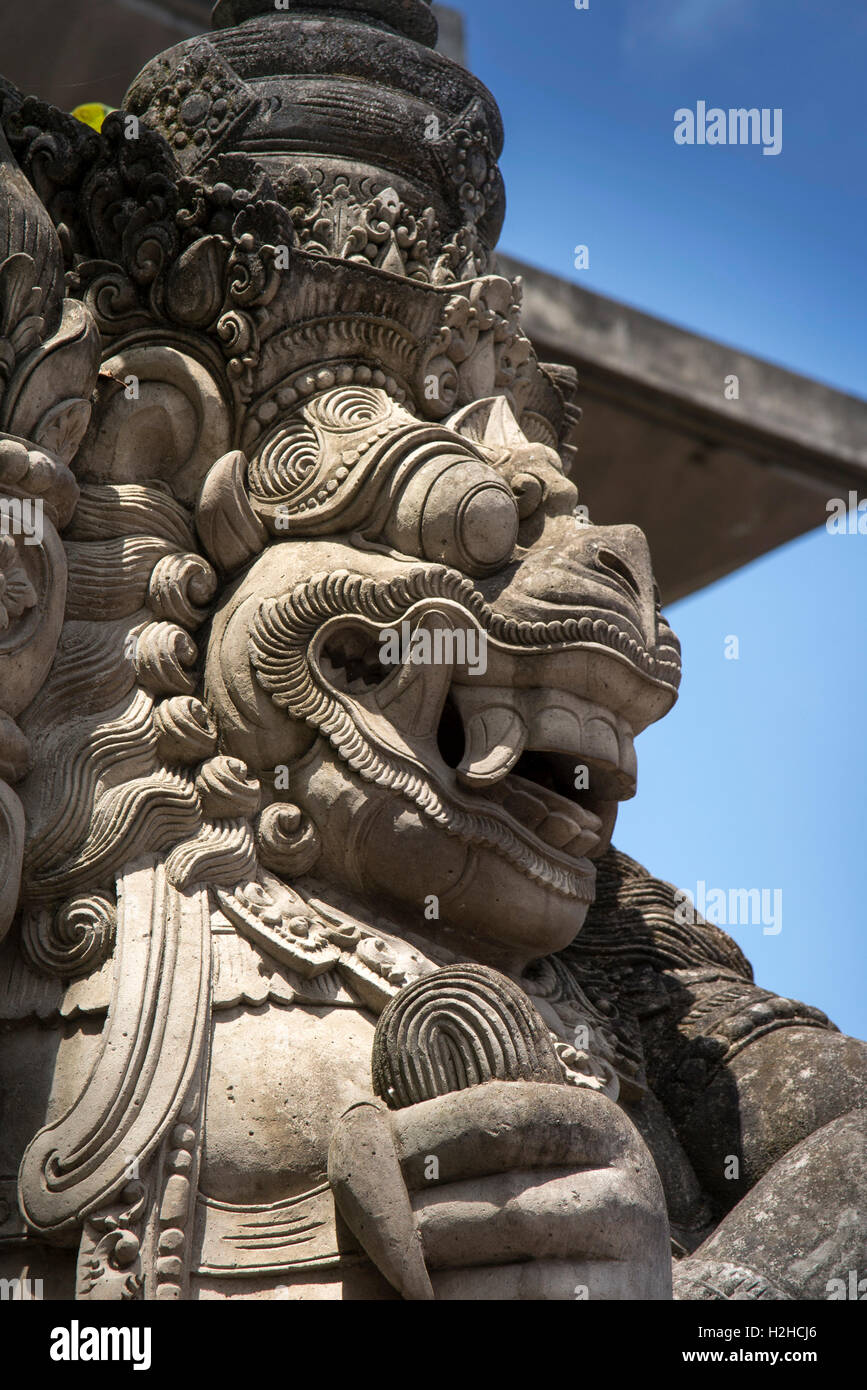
{"x":164,"y":656}
{"x":72,"y":941}
{"x":456,"y":1028}
{"x":185,"y":731}
{"x":180,"y":589}
{"x":285,"y":463}
{"x":351,"y":408}
{"x":288,"y":841}
{"x":226,"y":790}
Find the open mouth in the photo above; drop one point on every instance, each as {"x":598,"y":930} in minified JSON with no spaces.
{"x":548,"y":764}
{"x":566,"y":800}
{"x":536,"y":770}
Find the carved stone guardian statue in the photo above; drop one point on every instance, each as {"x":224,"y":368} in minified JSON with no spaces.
{"x":319,"y":694}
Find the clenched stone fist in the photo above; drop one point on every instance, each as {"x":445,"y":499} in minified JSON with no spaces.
{"x":508,"y":1190}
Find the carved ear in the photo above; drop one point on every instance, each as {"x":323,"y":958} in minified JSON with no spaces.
{"x":489,"y":423}
{"x":159,"y":415}
{"x":533,"y":470}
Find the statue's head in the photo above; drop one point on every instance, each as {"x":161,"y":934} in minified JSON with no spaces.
{"x":438,"y":660}
{"x":421,"y":667}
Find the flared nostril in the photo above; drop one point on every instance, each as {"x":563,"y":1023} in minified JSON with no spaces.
{"x":616,"y":566}
{"x":622,"y":557}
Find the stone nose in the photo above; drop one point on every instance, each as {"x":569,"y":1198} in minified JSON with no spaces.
{"x":576,"y":569}
{"x":620,"y":554}
{"x":595,"y":567}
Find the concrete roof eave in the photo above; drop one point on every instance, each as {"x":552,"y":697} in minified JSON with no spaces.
{"x":714,"y":482}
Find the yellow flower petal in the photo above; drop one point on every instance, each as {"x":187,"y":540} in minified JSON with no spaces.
{"x":92,"y":113}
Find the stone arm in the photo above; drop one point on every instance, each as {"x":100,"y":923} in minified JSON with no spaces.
{"x":765,"y":1096}
{"x":789,"y":1108}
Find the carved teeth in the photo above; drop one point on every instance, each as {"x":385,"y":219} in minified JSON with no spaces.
{"x":573,"y":830}
{"x":499,"y":724}
{"x":557,"y":830}
{"x":525,"y":808}
{"x":495,"y":739}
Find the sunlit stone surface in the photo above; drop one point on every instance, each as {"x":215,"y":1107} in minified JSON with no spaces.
{"x":320,"y":691}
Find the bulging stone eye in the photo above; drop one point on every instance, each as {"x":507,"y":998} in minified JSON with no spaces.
{"x":458,"y":511}
{"x":486,"y":527}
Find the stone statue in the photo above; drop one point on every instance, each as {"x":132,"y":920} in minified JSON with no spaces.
{"x":319,"y":688}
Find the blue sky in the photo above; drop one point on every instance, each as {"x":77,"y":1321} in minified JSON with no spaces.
{"x":758,"y":779}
